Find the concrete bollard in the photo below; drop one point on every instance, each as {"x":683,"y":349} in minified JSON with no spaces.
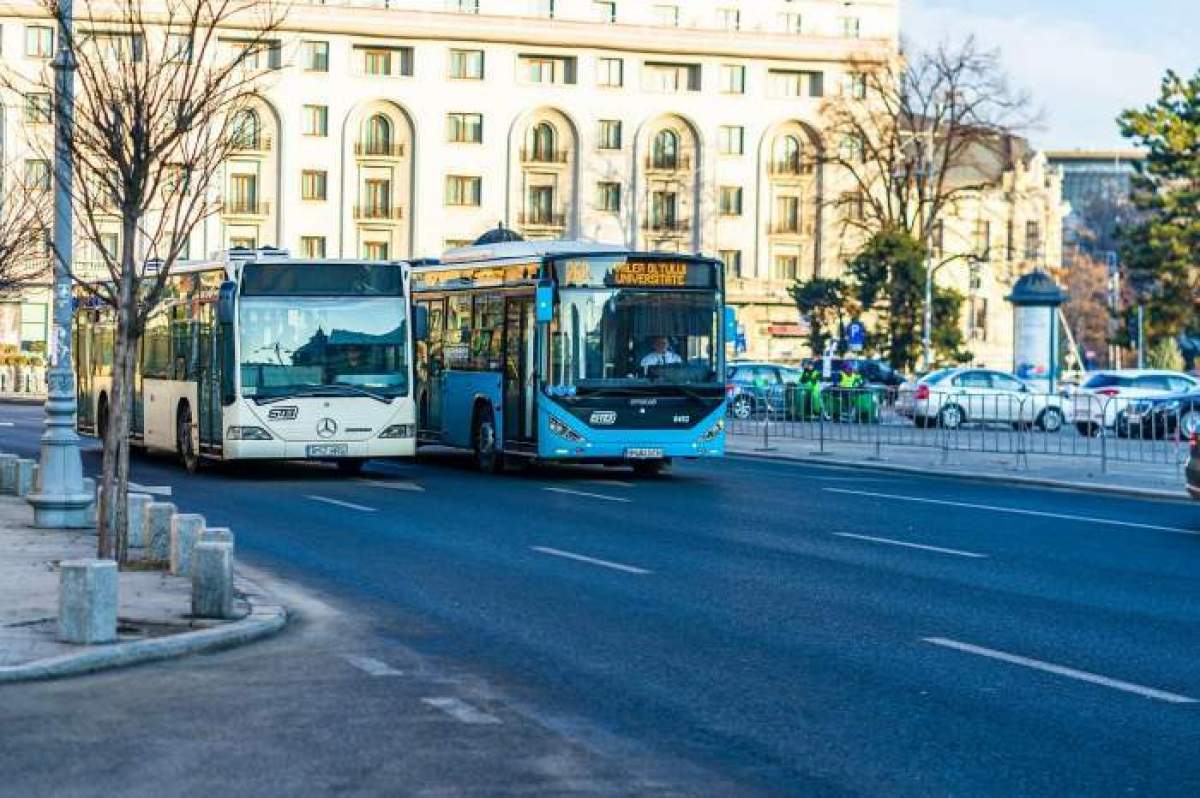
{"x":87,"y":601}
{"x":185,"y":531}
{"x":158,"y":530}
{"x":218,"y":534}
{"x":135,"y":520}
{"x":24,"y":480}
{"x":8,"y":474}
{"x":90,"y":486}
{"x":212,"y":579}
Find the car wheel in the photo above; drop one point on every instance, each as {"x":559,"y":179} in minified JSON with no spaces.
{"x":951,"y":417}
{"x":742,"y":408}
{"x":1050,"y":420}
{"x":1189,"y":424}
{"x":487,"y":451}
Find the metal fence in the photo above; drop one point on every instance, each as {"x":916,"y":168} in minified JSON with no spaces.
{"x":1108,"y":429}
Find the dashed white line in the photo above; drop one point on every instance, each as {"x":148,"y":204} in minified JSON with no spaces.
{"x":351,"y":505}
{"x":1061,"y":670}
{"x":461,"y":711}
{"x":1016,"y":511}
{"x":409,"y":486}
{"x":569,"y":555}
{"x":907,"y":545}
{"x":371,"y":665}
{"x":618,"y":482}
{"x":157,"y":490}
{"x":589,"y":495}
{"x":7,"y":424}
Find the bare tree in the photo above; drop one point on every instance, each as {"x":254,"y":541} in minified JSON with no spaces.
{"x":159,"y":90}
{"x":24,"y":218}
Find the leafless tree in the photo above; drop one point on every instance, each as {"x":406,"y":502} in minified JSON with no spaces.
{"x":159,"y":87}
{"x":24,"y":218}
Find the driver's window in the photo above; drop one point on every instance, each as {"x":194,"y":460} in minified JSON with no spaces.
{"x":1003,"y":382}
{"x":973,"y":379}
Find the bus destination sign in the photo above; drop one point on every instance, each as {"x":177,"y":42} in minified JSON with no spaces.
{"x":651,"y":274}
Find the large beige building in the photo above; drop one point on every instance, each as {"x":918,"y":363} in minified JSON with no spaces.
{"x":399,"y":128}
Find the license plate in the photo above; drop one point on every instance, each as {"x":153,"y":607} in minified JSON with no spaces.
{"x":643,"y":454}
{"x":327,"y":450}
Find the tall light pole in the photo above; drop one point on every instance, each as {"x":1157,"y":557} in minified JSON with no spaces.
{"x":59,"y":499}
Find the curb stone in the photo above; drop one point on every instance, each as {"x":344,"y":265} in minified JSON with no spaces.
{"x":264,"y":618}
{"x":1043,"y":482}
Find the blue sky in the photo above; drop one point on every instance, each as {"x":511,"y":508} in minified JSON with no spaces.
{"x":1083,"y":60}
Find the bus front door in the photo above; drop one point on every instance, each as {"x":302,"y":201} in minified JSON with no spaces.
{"x":208,"y":385}
{"x":519,"y":329}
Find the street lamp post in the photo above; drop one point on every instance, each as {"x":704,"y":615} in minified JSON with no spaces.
{"x":60,"y":499}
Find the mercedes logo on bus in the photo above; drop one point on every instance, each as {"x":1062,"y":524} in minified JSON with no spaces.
{"x":326,"y":428}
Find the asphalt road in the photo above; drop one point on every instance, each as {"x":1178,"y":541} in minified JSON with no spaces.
{"x":737,"y":627}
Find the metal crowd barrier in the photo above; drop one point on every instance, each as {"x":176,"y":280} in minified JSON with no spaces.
{"x":1108,"y":429}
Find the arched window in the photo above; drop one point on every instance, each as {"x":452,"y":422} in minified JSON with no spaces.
{"x":540,"y":143}
{"x":787,"y":155}
{"x":246,"y":130}
{"x":666,"y":150}
{"x":378,"y":135}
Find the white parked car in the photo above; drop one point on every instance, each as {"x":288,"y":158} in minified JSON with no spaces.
{"x":952,"y":397}
{"x":1096,"y":403}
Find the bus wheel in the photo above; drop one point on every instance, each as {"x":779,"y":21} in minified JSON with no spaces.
{"x":487,"y":453}
{"x":650,"y":468}
{"x":102,"y":418}
{"x":351,"y":465}
{"x":185,"y":447}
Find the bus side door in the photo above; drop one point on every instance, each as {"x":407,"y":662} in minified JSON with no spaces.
{"x":519,"y":329}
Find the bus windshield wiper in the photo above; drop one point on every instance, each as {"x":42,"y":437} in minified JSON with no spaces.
{"x":360,"y":391}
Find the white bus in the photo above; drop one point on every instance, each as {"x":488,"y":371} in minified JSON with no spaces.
{"x":256,"y":355}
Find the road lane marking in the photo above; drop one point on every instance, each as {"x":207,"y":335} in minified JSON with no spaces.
{"x":461,"y":710}
{"x":1061,"y":670}
{"x":1016,"y":511}
{"x":616,"y":566}
{"x":7,"y":424}
{"x":340,"y":503}
{"x":157,"y":490}
{"x":906,"y":544}
{"x":371,"y":665}
{"x":588,"y":495}
{"x":409,"y":486}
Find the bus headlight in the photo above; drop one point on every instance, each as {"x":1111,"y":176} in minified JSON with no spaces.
{"x":713,"y":432}
{"x":247,"y":434}
{"x":563,"y":431}
{"x":400,"y":431}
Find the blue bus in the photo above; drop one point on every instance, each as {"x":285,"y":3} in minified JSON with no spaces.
{"x":571,"y":351}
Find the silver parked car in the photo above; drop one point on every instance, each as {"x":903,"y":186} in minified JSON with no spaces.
{"x":951,"y":398}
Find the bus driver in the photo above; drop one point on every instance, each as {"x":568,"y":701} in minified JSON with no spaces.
{"x":661,"y":355}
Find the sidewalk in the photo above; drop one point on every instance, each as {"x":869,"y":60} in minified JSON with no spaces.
{"x":1083,"y":473}
{"x":154,"y":610}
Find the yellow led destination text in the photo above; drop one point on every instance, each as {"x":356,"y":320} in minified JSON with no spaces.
{"x":651,"y":274}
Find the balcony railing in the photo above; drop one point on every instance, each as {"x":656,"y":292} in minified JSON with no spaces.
{"x":556,"y":220}
{"x":789,"y":168}
{"x":664,"y":226}
{"x":542,"y":156}
{"x":241,"y":206}
{"x":379,"y":212}
{"x":659,"y":163}
{"x":379,"y":149}
{"x":258,"y":143}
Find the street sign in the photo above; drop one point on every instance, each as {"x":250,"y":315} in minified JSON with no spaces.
{"x":739,"y":343}
{"x":856,"y":335}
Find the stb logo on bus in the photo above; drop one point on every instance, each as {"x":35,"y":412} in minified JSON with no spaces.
{"x":283,"y":413}
{"x":603,"y":418}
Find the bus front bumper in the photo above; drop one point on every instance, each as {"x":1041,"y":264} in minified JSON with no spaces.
{"x":626,"y":451}
{"x":319,"y":450}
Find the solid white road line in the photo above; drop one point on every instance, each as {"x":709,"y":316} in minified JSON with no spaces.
{"x":1060,"y":670}
{"x":907,"y":545}
{"x":1017,"y":511}
{"x":409,"y":486}
{"x":340,"y":503}
{"x":371,"y":665}
{"x":7,"y":424}
{"x":461,"y":710}
{"x":616,"y":566}
{"x":619,"y":483}
{"x":157,"y":490}
{"x":588,"y":495}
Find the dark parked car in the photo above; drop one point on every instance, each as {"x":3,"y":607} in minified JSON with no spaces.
{"x":874,"y":372}
{"x":755,"y":386}
{"x":1161,"y":417}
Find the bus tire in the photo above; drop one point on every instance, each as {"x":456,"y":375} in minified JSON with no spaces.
{"x":351,"y":465}
{"x":488,"y":457}
{"x":102,"y":417}
{"x":651,"y":468}
{"x":185,"y":446}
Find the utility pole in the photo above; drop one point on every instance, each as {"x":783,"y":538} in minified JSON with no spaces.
{"x":1141,"y":336}
{"x":59,"y":499}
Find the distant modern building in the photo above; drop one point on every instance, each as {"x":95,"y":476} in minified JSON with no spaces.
{"x":1091,"y":177}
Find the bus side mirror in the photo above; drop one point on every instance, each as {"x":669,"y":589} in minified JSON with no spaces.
{"x":731,"y":326}
{"x":420,"y":322}
{"x":225,"y":299}
{"x":545,"y":302}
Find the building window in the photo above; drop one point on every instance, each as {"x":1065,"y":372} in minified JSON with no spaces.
{"x":466,"y":6}
{"x":313,"y":184}
{"x":977,"y":318}
{"x":243,"y":242}
{"x":377,"y":198}
{"x":729,"y":19}
{"x":38,"y":108}
{"x":664,"y":153}
{"x":733,"y":79}
{"x":464,"y":128}
{"x":854,"y":207}
{"x":666,"y":15}
{"x":1033,"y":240}
{"x":539,"y":205}
{"x":610,"y":72}
{"x":731,"y":200}
{"x":245,"y":132}
{"x":466,"y":64}
{"x":983,"y":239}
{"x":610,"y":134}
{"x":312,"y":246}
{"x":377,"y":136}
{"x":854,"y":85}
{"x":462,"y":190}
{"x":732,"y":258}
{"x":787,"y":215}
{"x":243,"y":194}
{"x":387,"y":61}
{"x":544,"y":8}
{"x":39,"y":41}
{"x":540,"y":143}
{"x":938,"y":238}
{"x":375,"y":250}
{"x":785,"y":83}
{"x":179,"y":48}
{"x":605,"y":10}
{"x":786,"y":156}
{"x":608,"y":196}
{"x":849,"y":26}
{"x":548,"y":69}
{"x":851,"y":149}
{"x":785,"y":267}
{"x":670,"y":78}
{"x":790,"y":23}
{"x":731,"y":140}
{"x":664,"y":206}
{"x":37,"y":174}
{"x":316,"y":120}
{"x":1010,"y":241}
{"x":316,"y":56}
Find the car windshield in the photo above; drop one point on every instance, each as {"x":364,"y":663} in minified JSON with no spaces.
{"x":933,"y":378}
{"x":1108,"y":381}
{"x":628,"y":337}
{"x":305,"y":345}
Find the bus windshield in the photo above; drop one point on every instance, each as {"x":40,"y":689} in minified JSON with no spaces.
{"x":298,"y":346}
{"x":631,"y":337}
